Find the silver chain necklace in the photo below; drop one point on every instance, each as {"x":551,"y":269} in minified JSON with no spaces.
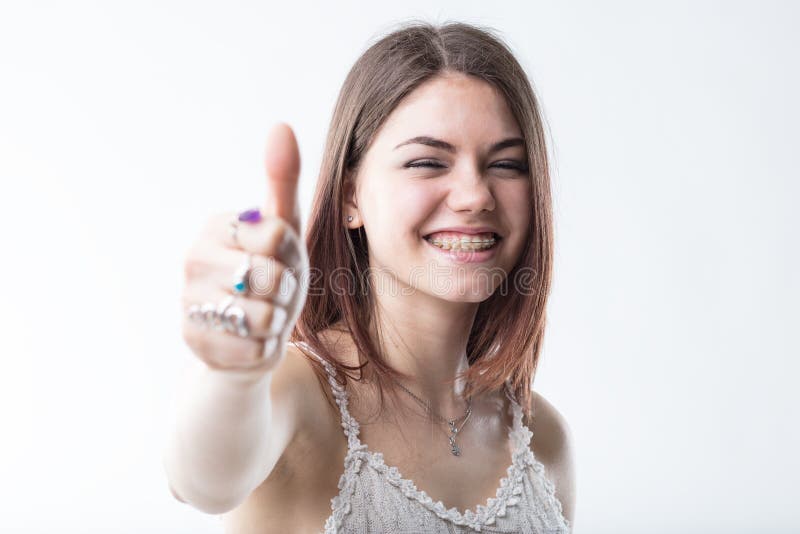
{"x":451,"y":423}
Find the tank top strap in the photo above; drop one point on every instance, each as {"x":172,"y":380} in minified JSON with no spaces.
{"x":520,"y":434}
{"x":349,"y":424}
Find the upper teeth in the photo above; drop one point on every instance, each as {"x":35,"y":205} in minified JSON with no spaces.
{"x":462,"y":242}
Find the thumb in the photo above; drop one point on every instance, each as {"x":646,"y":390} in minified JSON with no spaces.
{"x":282,"y":163}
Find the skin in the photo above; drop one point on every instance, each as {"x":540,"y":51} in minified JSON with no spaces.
{"x":425,"y":323}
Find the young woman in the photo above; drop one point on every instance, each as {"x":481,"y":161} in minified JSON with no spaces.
{"x":377,"y":378}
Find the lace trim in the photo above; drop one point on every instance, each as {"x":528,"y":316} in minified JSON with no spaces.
{"x":508,"y":493}
{"x":340,"y":505}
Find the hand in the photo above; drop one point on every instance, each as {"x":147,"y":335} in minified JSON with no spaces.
{"x":278,"y":281}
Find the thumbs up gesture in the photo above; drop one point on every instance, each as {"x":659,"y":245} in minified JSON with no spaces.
{"x":246,"y":277}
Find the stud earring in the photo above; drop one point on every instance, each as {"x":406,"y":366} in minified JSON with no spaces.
{"x":349,"y":218}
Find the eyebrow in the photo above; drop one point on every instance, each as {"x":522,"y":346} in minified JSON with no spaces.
{"x":444,"y":145}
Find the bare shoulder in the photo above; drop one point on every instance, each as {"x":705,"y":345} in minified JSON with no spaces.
{"x":552,"y":444}
{"x":297,"y":381}
{"x":300,"y":409}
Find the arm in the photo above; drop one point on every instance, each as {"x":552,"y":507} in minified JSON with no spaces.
{"x":553,"y":446}
{"x":231,"y":429}
{"x":241,"y":406}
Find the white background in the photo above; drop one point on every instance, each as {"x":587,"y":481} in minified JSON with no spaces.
{"x":670,"y":348}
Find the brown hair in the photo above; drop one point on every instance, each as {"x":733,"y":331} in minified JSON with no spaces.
{"x":506,"y":337}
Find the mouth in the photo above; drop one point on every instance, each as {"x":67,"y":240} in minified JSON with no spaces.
{"x":465,"y":248}
{"x":461,"y":242}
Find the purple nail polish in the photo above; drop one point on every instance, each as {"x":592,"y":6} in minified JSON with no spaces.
{"x":251,"y":216}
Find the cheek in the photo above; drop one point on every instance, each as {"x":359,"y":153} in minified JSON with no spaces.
{"x":515,"y":202}
{"x":417,"y":203}
{"x":404,"y":209}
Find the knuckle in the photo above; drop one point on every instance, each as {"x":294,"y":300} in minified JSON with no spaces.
{"x":217,"y":228}
{"x":190,"y":295}
{"x":270,"y":243}
{"x":265,"y":276}
{"x":192,"y":254}
{"x":217,"y":221}
{"x":262,"y":319}
{"x":254,"y":351}
{"x":194,"y":266}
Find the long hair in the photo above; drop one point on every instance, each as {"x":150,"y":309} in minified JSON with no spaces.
{"x":506,"y":337}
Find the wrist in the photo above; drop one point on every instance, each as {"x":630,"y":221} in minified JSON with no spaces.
{"x":249,"y":376}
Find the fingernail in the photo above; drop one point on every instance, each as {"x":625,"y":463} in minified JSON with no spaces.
{"x":278,"y":320}
{"x":251,"y":215}
{"x":286,"y":287}
{"x":269,"y":347}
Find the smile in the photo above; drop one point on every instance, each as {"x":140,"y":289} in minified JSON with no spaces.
{"x":468,"y":248}
{"x":455,"y":241}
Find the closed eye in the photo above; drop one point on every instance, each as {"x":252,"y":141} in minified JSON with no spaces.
{"x":425,"y":163}
{"x":511,"y":165}
{"x":515,"y":165}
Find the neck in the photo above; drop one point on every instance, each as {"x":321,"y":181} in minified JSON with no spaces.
{"x":425,"y":338}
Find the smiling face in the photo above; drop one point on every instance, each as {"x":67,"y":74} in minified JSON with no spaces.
{"x":443,"y":191}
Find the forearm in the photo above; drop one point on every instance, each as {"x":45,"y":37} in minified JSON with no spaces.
{"x":220,"y":437}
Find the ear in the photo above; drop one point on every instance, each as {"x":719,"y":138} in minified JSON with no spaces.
{"x":350,"y":202}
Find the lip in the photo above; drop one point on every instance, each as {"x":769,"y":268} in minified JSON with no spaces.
{"x":466,"y":256}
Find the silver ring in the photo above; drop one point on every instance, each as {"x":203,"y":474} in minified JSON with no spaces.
{"x":193,"y":313}
{"x":236,"y":322}
{"x":220,"y":322}
{"x":223,"y":316}
{"x":208,"y":311}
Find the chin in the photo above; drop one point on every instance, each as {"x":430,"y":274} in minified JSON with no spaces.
{"x":466,"y":299}
{"x":464,"y":293}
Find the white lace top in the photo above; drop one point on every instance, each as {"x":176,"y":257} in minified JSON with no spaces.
{"x":375,"y":498}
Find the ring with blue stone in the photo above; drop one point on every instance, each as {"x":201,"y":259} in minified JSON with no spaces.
{"x":241,"y":279}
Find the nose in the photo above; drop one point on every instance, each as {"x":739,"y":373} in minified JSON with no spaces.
{"x":470,"y":192}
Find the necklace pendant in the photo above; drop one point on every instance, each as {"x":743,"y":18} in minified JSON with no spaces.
{"x":453,"y":447}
